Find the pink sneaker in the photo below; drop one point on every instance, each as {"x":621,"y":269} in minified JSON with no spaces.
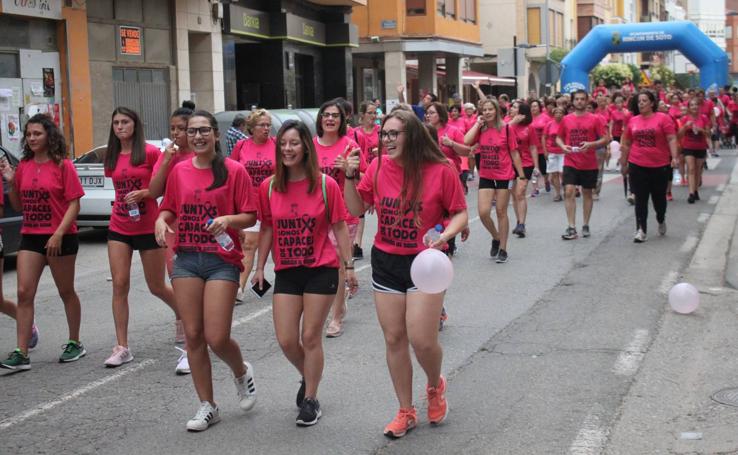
{"x":119,"y":356}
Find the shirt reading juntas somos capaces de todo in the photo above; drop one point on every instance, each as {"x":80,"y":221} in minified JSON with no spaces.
{"x":398,"y":233}
{"x":45,"y":191}
{"x":576,"y":129}
{"x":495,"y":161}
{"x":299,"y":222}
{"x":327,"y":155}
{"x":193,"y":205}
{"x":257,"y":159}
{"x":649,"y":146}
{"x":127,"y":178}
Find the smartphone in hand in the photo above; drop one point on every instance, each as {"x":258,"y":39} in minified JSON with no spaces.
{"x":259,"y":292}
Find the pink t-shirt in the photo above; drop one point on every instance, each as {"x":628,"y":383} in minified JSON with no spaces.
{"x":257,"y":159}
{"x":327,"y":155}
{"x":353,"y":133}
{"x":300,"y":224}
{"x":649,"y":146}
{"x":691,"y":141}
{"x":575,"y":129}
{"x":455,"y":135}
{"x":127,"y":178}
{"x":526,"y":138}
{"x":193,"y":205}
{"x":605,"y":114}
{"x":371,"y":142}
{"x":619,"y":120}
{"x":177,"y":158}
{"x":45,"y":191}
{"x":539,"y":124}
{"x":458,"y":123}
{"x":675,"y":111}
{"x":707,"y":108}
{"x":495,"y":162}
{"x":469,"y":122}
{"x":441,"y":194}
{"x":552,"y":130}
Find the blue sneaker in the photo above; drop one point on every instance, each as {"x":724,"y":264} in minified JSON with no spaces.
{"x":34,"y":337}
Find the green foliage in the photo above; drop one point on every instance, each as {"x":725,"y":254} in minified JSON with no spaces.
{"x":557,"y":54}
{"x":663,"y":74}
{"x":614,"y":74}
{"x":635,"y":74}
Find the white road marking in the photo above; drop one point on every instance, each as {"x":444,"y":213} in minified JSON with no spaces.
{"x":720,"y":188}
{"x":689,"y":243}
{"x":251,"y":317}
{"x":704,"y":216}
{"x":629,"y":360}
{"x":607,"y":177}
{"x":23,"y":416}
{"x":668,"y":281}
{"x":713,"y":199}
{"x":591,"y":437}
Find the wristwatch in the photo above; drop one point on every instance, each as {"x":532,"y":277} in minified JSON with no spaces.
{"x":349,"y":264}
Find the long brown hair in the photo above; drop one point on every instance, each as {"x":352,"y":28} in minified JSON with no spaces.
{"x":419,"y":148}
{"x":56,"y":149}
{"x":138,"y":148}
{"x":310,"y":157}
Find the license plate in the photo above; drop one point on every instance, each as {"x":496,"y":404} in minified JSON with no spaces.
{"x":92,"y":181}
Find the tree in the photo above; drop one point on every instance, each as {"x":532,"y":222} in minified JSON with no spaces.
{"x":663,"y":74}
{"x":635,"y":74}
{"x":614,"y":74}
{"x":557,"y":54}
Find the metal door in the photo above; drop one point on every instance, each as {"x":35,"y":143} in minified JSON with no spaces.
{"x":147,"y":92}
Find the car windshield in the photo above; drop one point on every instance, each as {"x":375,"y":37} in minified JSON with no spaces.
{"x":94,"y":156}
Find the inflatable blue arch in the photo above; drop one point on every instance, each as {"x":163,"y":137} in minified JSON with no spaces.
{"x":645,"y":37}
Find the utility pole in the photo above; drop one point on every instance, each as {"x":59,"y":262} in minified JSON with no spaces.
{"x":547,"y":79}
{"x":515,"y":63}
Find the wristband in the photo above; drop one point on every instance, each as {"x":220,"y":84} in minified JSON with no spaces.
{"x":349,"y":268}
{"x":354,"y":176}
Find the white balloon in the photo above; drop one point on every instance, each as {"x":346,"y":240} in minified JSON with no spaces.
{"x":684,"y":298}
{"x":432,"y":271}
{"x":615,"y":147}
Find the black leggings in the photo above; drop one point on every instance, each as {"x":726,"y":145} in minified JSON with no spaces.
{"x":645,"y":182}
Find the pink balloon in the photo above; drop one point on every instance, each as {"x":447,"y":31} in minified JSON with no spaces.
{"x":684,"y":298}
{"x":431,"y":271}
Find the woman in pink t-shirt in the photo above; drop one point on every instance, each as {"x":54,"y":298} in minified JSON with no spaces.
{"x":694,"y":130}
{"x":413,"y":188}
{"x":256,"y":153}
{"x":554,"y":154}
{"x":528,"y":148}
{"x":46,"y":189}
{"x":332,"y":144}
{"x":299,"y":207}
{"x":129,"y":161}
{"x":539,"y":122}
{"x":210,"y":198}
{"x":499,"y":162}
{"x":649,"y":152}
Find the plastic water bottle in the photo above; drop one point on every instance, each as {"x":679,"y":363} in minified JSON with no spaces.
{"x":677,"y":177}
{"x":166,"y":142}
{"x":133,"y":212}
{"x":224,"y":240}
{"x":434,"y":234}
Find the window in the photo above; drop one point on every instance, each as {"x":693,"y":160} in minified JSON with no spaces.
{"x":534,"y":26}
{"x":9,"y":65}
{"x":468,"y":10}
{"x":415,"y":7}
{"x":446,"y":7}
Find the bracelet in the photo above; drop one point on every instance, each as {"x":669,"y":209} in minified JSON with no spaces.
{"x":353,"y":176}
{"x":349,"y":268}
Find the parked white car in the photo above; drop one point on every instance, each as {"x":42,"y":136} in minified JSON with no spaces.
{"x":97,"y":203}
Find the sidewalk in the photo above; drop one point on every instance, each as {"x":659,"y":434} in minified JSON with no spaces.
{"x":669,"y":408}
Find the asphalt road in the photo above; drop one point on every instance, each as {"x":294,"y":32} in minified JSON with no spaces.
{"x":539,"y":352}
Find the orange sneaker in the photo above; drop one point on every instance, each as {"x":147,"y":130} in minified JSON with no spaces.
{"x":437,"y":404}
{"x":404,"y":421}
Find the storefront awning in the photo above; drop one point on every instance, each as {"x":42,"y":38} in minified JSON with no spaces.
{"x":487,"y":79}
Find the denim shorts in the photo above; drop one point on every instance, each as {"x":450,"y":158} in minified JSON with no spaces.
{"x":206,"y":266}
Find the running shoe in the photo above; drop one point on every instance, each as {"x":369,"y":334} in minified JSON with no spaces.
{"x":558,"y":198}
{"x":246,"y":388}
{"x":358,"y":252}
{"x":691,"y":198}
{"x":662,"y":228}
{"x":309,"y":413}
{"x":404,"y":421}
{"x":669,"y":197}
{"x":521,"y":231}
{"x":631,"y":199}
{"x":585,"y":231}
{"x":179,"y":335}
{"x":239,"y":296}
{"x":570,"y":233}
{"x":516,"y":229}
{"x":443,"y":319}
{"x":120,"y":355}
{"x":207,"y":415}
{"x":535,"y":193}
{"x":501,"y":257}
{"x":697,"y":195}
{"x":495,"y":248}
{"x":34,"y":337}
{"x":183,"y":364}
{"x":72,"y":351}
{"x":595,"y":197}
{"x":16,"y":361}
{"x":548,"y":187}
{"x":300,"y":393}
{"x":437,"y":404}
{"x":640,"y":236}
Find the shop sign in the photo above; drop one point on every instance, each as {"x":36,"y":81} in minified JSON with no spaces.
{"x":130,"y":40}
{"x":246,"y":21}
{"x":47,"y":9}
{"x":389,"y":25}
{"x":305,"y":30}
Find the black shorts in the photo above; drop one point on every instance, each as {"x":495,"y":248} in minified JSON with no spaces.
{"x":391,"y":272}
{"x":487,"y":184}
{"x":616,"y":139}
{"x":542,"y":161}
{"x":306,"y":280}
{"x":698,"y":154}
{"x":715,"y":137}
{"x":141,"y":242}
{"x":37,"y":243}
{"x":587,"y":179}
{"x":527,"y":172}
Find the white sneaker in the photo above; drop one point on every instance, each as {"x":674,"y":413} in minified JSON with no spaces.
{"x":662,"y":228}
{"x":239,"y":296}
{"x":246,"y":389}
{"x":207,"y":415}
{"x":119,"y":356}
{"x":640,"y":236}
{"x":183,"y":365}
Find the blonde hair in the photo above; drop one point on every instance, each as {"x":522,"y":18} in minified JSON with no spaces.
{"x":498,"y":113}
{"x":254,"y":117}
